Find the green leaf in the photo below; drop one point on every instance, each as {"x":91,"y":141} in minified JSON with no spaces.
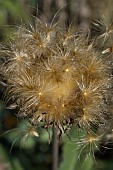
{"x":71,"y":154}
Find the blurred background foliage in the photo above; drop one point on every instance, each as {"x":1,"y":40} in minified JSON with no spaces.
{"x":18,"y":150}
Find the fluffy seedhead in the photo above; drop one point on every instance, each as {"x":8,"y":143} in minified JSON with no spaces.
{"x":54,"y":76}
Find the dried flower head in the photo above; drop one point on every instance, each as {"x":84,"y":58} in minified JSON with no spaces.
{"x":54,"y":76}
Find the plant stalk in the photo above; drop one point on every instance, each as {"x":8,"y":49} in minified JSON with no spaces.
{"x":55,"y":152}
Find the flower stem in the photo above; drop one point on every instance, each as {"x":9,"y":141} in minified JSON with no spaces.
{"x":55,"y":153}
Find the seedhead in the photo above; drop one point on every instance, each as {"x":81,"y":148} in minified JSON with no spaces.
{"x":55,"y":77}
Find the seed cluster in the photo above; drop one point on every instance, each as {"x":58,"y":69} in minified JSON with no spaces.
{"x":55,"y":76}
